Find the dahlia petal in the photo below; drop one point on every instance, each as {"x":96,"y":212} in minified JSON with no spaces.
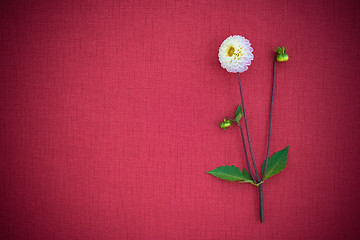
{"x":239,"y":57}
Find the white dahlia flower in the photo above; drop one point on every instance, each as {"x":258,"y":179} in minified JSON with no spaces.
{"x":235,"y":54}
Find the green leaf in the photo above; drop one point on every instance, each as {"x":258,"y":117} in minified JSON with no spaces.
{"x":231,"y":173}
{"x":248,"y":176}
{"x":239,"y":113}
{"x":276,"y":163}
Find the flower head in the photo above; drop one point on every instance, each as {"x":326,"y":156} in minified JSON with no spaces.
{"x":235,"y":54}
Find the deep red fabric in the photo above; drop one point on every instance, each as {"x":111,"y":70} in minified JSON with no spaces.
{"x":110,"y":112}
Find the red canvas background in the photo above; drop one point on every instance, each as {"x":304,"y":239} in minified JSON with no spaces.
{"x":110,"y":112}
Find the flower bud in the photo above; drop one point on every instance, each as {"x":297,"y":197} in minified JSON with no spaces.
{"x":225,"y":124}
{"x":281,"y":56}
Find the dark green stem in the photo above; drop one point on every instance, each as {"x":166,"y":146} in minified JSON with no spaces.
{"x":246,"y":156}
{"x":261,"y":201}
{"x":247,"y":130}
{"x":245,"y":152}
{"x":271,"y":110}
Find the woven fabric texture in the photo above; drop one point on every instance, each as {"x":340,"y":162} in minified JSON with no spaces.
{"x":110,"y":115}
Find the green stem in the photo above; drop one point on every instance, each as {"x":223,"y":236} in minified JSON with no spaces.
{"x":261,"y":201}
{"x":271,"y":110}
{"x":247,"y":129}
{"x":245,"y":152}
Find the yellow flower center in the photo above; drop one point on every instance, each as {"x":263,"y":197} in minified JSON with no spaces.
{"x":231,"y":51}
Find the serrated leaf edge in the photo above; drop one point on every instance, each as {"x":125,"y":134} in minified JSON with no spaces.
{"x":244,"y":173}
{"x":262,"y":167}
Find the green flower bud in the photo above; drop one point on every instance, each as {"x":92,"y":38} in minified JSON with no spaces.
{"x":281,"y":56}
{"x":225,"y":124}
